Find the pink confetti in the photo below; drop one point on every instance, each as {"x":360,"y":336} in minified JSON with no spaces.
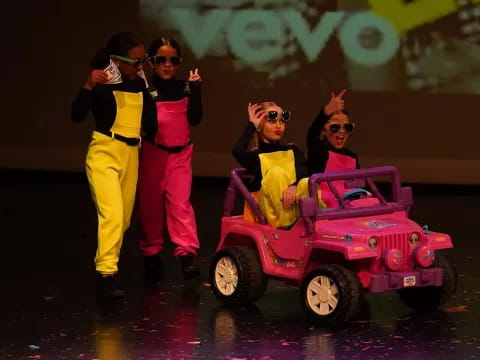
{"x":193,"y":342}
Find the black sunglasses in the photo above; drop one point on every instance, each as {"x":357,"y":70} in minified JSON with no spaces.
{"x":273,"y":115}
{"x":157,"y":59}
{"x":334,"y":128}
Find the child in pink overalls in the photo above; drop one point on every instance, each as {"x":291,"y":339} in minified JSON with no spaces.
{"x":165,"y":175}
{"x":326,"y":140}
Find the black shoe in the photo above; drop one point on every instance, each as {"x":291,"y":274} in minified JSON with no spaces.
{"x":190,"y":268}
{"x":153,"y":268}
{"x":108,"y":287}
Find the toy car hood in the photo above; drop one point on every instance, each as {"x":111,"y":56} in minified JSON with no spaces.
{"x":367,"y":226}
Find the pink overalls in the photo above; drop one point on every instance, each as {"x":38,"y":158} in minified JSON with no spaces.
{"x":165,"y":180}
{"x":336,"y":162}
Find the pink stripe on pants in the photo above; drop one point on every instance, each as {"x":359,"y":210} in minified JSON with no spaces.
{"x":165,"y":181}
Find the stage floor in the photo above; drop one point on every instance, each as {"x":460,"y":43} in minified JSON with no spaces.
{"x":48,"y":308}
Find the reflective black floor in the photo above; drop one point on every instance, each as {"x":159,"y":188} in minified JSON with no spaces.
{"x":48,"y":308}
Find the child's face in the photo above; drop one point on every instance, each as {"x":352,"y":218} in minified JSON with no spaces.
{"x":166,"y":62}
{"x":130,"y":71}
{"x":337,"y":130}
{"x":273,"y":126}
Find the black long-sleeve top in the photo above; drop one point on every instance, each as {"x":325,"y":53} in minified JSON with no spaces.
{"x":318,"y":149}
{"x":101,"y":101}
{"x":250,"y":160}
{"x":174,"y":90}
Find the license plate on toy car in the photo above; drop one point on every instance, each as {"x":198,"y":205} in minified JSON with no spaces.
{"x":409,"y":281}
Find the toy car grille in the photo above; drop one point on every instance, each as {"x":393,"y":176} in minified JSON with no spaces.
{"x":396,"y":241}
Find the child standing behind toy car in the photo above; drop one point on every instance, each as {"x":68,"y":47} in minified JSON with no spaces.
{"x":279,"y":170}
{"x":326,"y":139}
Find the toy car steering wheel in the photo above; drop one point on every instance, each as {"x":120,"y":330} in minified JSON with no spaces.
{"x":356,"y":194}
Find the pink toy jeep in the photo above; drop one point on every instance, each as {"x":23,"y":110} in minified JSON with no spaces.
{"x":334,"y":254}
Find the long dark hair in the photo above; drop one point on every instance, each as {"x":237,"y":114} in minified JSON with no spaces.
{"x":162,"y":41}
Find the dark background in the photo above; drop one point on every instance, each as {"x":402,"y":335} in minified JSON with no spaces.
{"x":47,"y":47}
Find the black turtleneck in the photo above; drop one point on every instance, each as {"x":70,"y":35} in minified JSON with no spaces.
{"x":101,"y":101}
{"x":250,"y":160}
{"x":318,"y":149}
{"x":175,"y":90}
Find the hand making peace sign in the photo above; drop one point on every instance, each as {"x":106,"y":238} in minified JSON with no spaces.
{"x":335,"y":104}
{"x":194,"y":75}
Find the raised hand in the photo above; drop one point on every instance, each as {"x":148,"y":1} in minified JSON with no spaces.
{"x":335,"y":104}
{"x":194,"y":75}
{"x":94,"y":78}
{"x":255,"y":114}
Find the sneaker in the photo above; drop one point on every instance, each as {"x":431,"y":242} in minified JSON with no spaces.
{"x":190,"y":268}
{"x":153,"y":268}
{"x":108,"y":287}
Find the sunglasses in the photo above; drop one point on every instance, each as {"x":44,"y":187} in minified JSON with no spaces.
{"x":273,"y":115}
{"x":133,"y":62}
{"x":334,"y":128}
{"x":158,"y":60}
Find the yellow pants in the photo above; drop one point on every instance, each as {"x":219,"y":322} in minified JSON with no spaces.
{"x":274,"y":183}
{"x":112,"y":170}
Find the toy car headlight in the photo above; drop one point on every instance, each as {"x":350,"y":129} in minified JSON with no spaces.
{"x":373,"y":243}
{"x":393,"y":259}
{"x":414,"y":239}
{"x":425,"y":256}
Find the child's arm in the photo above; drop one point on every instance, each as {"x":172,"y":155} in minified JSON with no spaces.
{"x":195,"y":107}
{"x":249,"y":159}
{"x":83,"y":102}
{"x":317,"y":152}
{"x":301,"y":168}
{"x":301,"y":171}
{"x":149,"y":116}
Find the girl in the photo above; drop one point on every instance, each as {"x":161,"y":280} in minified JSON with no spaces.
{"x":279,"y":170}
{"x":121,"y":105}
{"x":326,"y":140}
{"x":165,"y":169}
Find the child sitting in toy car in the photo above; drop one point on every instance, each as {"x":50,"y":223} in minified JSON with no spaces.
{"x":279,"y":170}
{"x":326,"y":140}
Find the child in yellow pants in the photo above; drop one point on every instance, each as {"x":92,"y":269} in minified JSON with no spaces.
{"x":279,"y":170}
{"x":121,"y":106}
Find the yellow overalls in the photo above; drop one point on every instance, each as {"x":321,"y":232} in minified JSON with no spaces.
{"x":112,"y":170}
{"x":278,"y":173}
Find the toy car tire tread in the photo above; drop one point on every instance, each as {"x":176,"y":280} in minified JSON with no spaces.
{"x":251,"y":283}
{"x":349,"y":293}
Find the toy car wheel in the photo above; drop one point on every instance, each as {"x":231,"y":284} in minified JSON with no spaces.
{"x":331,"y":293}
{"x":236,"y":275}
{"x":432,"y":296}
